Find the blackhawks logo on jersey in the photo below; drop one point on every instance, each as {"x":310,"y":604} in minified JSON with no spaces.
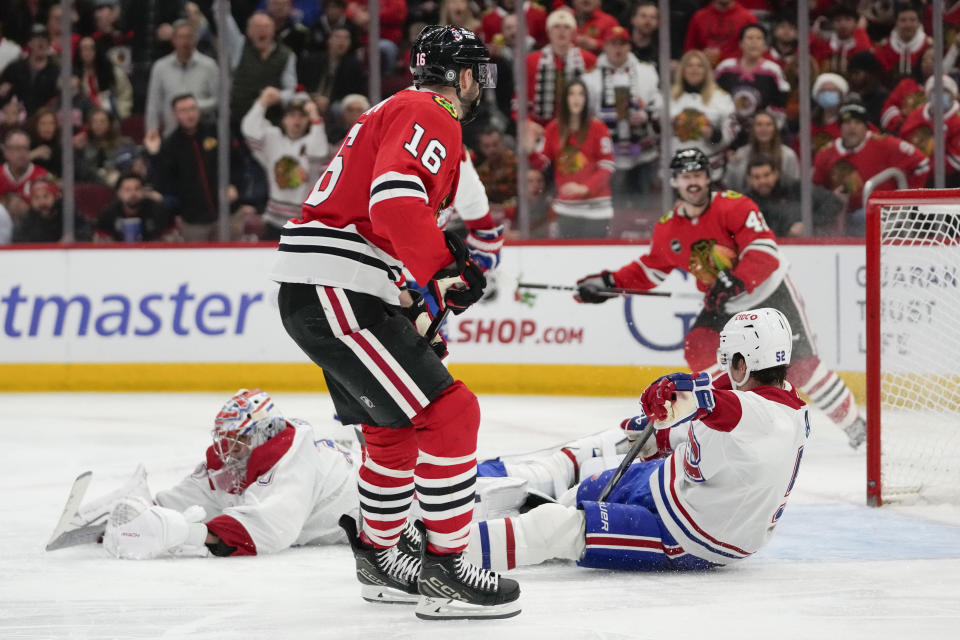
{"x":446,"y":104}
{"x":288,"y":173}
{"x":707,"y":258}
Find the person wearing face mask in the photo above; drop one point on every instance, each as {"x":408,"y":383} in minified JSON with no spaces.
{"x":918,"y":127}
{"x":829,"y":91}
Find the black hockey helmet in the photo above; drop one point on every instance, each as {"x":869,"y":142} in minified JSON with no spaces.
{"x":441,"y":51}
{"x":686,"y":160}
{"x":439,"y":54}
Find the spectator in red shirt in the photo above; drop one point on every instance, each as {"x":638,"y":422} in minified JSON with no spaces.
{"x":550,"y":69}
{"x":592,"y":24}
{"x":832,"y":49}
{"x":393,"y":13}
{"x":579,"y":148}
{"x":907,"y":95}
{"x":917,"y":129}
{"x":17,"y":172}
{"x":536,"y":18}
{"x":715,"y":29}
{"x":899,"y":55}
{"x":858,"y":155}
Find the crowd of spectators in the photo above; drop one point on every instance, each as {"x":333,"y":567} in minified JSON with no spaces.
{"x":146,"y":76}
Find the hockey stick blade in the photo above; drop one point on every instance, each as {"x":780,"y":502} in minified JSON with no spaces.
{"x":77,"y":491}
{"x":611,"y":290}
{"x":626,"y":462}
{"x":84,"y":535}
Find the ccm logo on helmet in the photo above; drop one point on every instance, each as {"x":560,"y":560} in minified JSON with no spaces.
{"x":746,"y":316}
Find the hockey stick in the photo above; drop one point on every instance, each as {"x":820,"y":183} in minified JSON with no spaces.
{"x":611,"y":290}
{"x":436,"y":324}
{"x":626,"y":462}
{"x":70,"y":509}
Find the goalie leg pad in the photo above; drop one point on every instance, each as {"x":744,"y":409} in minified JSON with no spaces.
{"x":499,"y":497}
{"x":547,"y":532}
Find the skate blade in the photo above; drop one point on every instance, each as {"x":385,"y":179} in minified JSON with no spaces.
{"x":449,"y":609}
{"x":387,"y":595}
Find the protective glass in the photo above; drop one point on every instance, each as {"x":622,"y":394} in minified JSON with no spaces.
{"x":487,"y":75}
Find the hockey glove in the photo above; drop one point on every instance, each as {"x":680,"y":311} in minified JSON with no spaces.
{"x":484,"y":246}
{"x":461,"y":283}
{"x":727,"y":286}
{"x":137,"y":530}
{"x":591,"y":288}
{"x":420,"y":316}
{"x":678,"y":398}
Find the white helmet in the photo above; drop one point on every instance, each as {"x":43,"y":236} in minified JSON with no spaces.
{"x":246,"y":421}
{"x":762,"y":336}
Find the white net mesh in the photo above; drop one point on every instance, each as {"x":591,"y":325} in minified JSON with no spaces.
{"x":920,"y":353}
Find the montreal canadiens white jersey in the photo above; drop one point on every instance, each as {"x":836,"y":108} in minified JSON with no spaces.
{"x":296,"y":501}
{"x":471,"y":201}
{"x":723,"y":490}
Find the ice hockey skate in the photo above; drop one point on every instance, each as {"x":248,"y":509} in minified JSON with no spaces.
{"x":386,"y":575}
{"x":453,"y":589}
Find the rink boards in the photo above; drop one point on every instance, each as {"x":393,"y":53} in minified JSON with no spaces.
{"x":202,"y":318}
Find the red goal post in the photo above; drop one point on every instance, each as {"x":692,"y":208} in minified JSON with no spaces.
{"x":913,"y":346}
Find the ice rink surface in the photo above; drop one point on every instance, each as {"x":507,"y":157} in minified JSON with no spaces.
{"x":835,"y":569}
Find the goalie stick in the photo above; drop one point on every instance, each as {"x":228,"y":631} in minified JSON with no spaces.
{"x":614,"y":290}
{"x":60,"y":537}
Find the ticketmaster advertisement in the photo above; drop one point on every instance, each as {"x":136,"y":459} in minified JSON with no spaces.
{"x":203,"y":305}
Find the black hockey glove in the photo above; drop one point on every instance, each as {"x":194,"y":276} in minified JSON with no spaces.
{"x":461,"y":283}
{"x":727,"y":286}
{"x":420,"y":316}
{"x":590,"y":288}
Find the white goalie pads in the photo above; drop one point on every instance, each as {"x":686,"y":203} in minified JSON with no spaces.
{"x":139,"y":530}
{"x":96,"y":511}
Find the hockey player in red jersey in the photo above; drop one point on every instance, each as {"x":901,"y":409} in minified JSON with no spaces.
{"x":721,"y":238}
{"x":372,"y":213}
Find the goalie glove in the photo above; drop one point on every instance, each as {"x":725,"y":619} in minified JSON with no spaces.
{"x":678,"y":398}
{"x":590,"y":288}
{"x":484,"y":246}
{"x":461,"y":283}
{"x":137,"y":530}
{"x":727,"y":286}
{"x":420,"y":316}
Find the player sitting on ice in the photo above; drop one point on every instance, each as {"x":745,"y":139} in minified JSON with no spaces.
{"x":268,"y":482}
{"x":733,"y":448}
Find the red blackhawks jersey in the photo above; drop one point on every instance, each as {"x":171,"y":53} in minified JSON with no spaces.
{"x":590,"y":164}
{"x":918,"y":131}
{"x":374,"y":210}
{"x":905,"y":97}
{"x":730,"y":234}
{"x":837,"y":166}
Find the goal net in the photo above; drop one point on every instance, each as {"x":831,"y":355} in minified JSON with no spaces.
{"x":913,"y":346}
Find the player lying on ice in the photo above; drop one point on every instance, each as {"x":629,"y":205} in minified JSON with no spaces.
{"x":733,"y":449}
{"x":270,"y":482}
